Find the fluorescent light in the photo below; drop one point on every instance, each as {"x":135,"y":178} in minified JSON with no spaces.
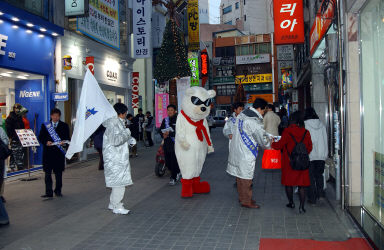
{"x":54,"y":34}
{"x":30,"y":24}
{"x":15,"y":19}
{"x":41,"y":35}
{"x":1,"y":21}
{"x":43,"y":29}
{"x":9,"y":72}
{"x":5,"y":74}
{"x":1,"y":13}
{"x":21,"y":77}
{"x":26,"y":75}
{"x":29,"y":31}
{"x":15,"y":26}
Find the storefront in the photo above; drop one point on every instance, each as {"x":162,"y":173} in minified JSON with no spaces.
{"x":111,"y":70}
{"x":27,"y":45}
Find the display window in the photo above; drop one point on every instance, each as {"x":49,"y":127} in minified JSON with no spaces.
{"x":22,"y":105}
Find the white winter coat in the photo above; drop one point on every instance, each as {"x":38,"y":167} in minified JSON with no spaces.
{"x":117,"y":169}
{"x":319,"y":140}
{"x":229,"y":126}
{"x":241,"y":161}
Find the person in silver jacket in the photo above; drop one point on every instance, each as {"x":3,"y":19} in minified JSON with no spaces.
{"x":117,"y":169}
{"x":241,"y":161}
{"x":229,"y":126}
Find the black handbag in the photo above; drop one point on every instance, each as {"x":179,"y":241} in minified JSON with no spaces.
{"x":5,"y":152}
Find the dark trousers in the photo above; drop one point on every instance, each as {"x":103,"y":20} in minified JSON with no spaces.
{"x":171,"y":163}
{"x":49,"y":183}
{"x":101,"y":160}
{"x":141,"y":136}
{"x":149,"y":138}
{"x":244,"y":189}
{"x":316,"y":190}
{"x":3,"y":213}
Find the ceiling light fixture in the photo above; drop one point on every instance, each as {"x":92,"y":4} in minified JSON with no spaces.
{"x":30,"y":24}
{"x":15,"y":19}
{"x":1,"y":21}
{"x":21,"y":77}
{"x":1,"y":13}
{"x":5,"y":74}
{"x":29,"y":31}
{"x":43,"y":29}
{"x":54,"y":34}
{"x":9,"y":72}
{"x":15,"y":26}
{"x":41,"y":35}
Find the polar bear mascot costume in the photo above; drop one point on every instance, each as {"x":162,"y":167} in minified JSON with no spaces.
{"x":193,"y":140}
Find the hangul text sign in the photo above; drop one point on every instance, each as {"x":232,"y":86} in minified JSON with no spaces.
{"x":135,"y":90}
{"x":289,"y":21}
{"x":194,"y":64}
{"x":142,"y":14}
{"x":193,"y":25}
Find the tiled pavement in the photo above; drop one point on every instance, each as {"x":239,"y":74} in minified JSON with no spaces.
{"x":160,"y":219}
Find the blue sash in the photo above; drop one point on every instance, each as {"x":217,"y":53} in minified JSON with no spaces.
{"x":167,"y":126}
{"x":233,"y":120}
{"x":55,"y":137}
{"x":247,"y":141}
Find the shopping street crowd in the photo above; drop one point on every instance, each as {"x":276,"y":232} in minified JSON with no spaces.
{"x":264,"y":130}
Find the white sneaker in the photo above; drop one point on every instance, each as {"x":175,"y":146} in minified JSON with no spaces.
{"x":172,"y":182}
{"x":110,"y":206}
{"x":120,"y":211}
{"x":178,"y":177}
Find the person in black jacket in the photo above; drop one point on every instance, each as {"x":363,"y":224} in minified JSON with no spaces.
{"x":15,"y":121}
{"x":53,"y":156}
{"x":133,"y":125}
{"x":169,"y":144}
{"x":149,"y":124}
{"x":140,"y":117}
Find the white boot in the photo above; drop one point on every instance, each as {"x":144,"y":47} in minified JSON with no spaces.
{"x":120,"y":209}
{"x":110,"y":206}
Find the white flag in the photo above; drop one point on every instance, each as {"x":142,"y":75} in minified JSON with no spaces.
{"x":92,"y":111}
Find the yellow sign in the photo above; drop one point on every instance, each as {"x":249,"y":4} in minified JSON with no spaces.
{"x":193,"y":25}
{"x":259,"y":78}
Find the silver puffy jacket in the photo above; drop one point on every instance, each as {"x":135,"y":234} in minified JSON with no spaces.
{"x":241,"y":161}
{"x":117,"y":169}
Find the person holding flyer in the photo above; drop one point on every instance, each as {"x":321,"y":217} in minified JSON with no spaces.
{"x":54,"y":135}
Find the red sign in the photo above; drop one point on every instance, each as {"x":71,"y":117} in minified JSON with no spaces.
{"x":90,"y":62}
{"x":322,"y":22}
{"x":289,"y":21}
{"x":135,"y":90}
{"x":204,"y":63}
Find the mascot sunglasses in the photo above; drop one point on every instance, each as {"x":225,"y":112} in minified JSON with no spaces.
{"x":195,"y":100}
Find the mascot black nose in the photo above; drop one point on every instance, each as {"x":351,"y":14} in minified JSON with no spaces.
{"x":203,"y":109}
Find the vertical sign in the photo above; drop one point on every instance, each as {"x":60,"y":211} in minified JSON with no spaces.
{"x":142,"y":13}
{"x":289,"y":21}
{"x":161,"y":102}
{"x":102,"y":23}
{"x":90,"y":63}
{"x":204,"y":63}
{"x":193,"y":25}
{"x":135,"y":90}
{"x":194,"y":64}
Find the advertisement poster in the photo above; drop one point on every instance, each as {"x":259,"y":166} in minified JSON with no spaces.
{"x":27,"y":138}
{"x":102,"y":24}
{"x":161,"y":103}
{"x":142,"y":14}
{"x":193,"y":25}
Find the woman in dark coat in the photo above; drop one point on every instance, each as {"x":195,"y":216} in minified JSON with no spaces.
{"x":290,"y":177}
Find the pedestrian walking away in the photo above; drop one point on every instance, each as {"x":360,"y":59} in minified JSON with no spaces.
{"x":140,"y":117}
{"x":295,"y":133}
{"x":149,"y":124}
{"x":317,"y":156}
{"x":168,"y":133}
{"x":271,"y":121}
{"x":117,"y":169}
{"x":53,"y":137}
{"x":247,"y":138}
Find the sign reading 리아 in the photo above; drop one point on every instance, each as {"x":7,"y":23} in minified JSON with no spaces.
{"x":102,"y":24}
{"x":76,"y":8}
{"x":60,"y":97}
{"x":142,"y":14}
{"x":250,"y":59}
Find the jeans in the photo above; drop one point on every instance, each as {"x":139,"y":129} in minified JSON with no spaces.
{"x":316,"y":189}
{"x":49,"y":183}
{"x":117,"y":196}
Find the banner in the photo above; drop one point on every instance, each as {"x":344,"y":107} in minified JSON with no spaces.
{"x":251,"y":59}
{"x":161,"y":103}
{"x":135,"y":90}
{"x":102,"y":23}
{"x":193,"y":25}
{"x":182,"y":85}
{"x":259,"y":78}
{"x":142,"y":14}
{"x":194,"y":64}
{"x":289,"y":21}
{"x":204,"y":63}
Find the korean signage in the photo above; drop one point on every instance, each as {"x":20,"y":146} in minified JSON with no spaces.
{"x":226,"y":79}
{"x":193,"y":25}
{"x":161,"y":102}
{"x":322,"y":22}
{"x":289,"y":21}
{"x":194,"y":64}
{"x":142,"y":14}
{"x":223,"y":61}
{"x":135,"y":90}
{"x":285,"y":52}
{"x":76,"y":7}
{"x":250,"y":59}
{"x":204,"y":63}
{"x":259,"y":78}
{"x":102,"y":23}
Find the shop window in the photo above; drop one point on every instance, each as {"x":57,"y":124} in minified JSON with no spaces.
{"x":37,"y":7}
{"x":372,"y":64}
{"x":244,"y":50}
{"x":225,"y":51}
{"x":227,"y":9}
{"x":237,"y":5}
{"x":264,"y":48}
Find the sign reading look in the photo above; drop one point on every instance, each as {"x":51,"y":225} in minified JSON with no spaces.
{"x":135,"y":90}
{"x":289,"y":21}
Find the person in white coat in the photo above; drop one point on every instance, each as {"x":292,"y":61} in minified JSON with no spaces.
{"x":117,"y":169}
{"x":229,"y":126}
{"x":247,"y":138}
{"x":318,"y":154}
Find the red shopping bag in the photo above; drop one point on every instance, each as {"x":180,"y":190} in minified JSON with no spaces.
{"x":271,"y":159}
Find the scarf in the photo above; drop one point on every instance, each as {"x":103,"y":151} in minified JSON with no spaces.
{"x":200,"y":129}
